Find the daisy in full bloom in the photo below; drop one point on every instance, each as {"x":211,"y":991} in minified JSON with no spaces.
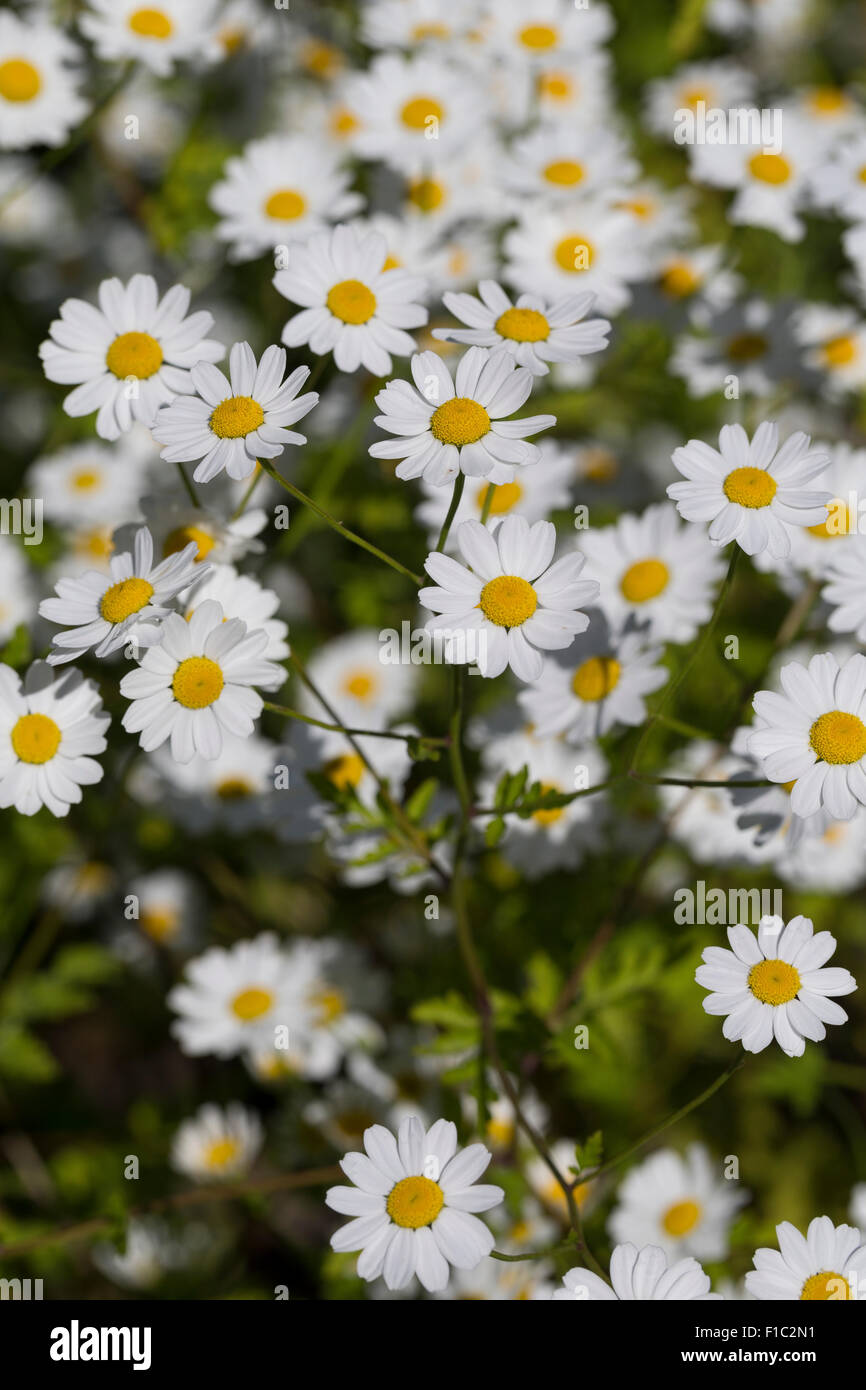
{"x":534,"y":332}
{"x":545,"y":31}
{"x":364,"y":691}
{"x":413,"y":112}
{"x":167,"y":905}
{"x":412,"y":1204}
{"x":217,"y":1143}
{"x":39,"y":100}
{"x":241,"y":596}
{"x":447,"y":426}
{"x":129,"y":356}
{"x":813,"y":734}
{"x":683,"y":1204}
{"x":557,"y":161}
{"x":103,"y":611}
{"x":198,"y":683}
{"x":827,"y":1264}
{"x":770,"y":185}
{"x":173,"y":522}
{"x":602,"y":681}
{"x":230,"y":426}
{"x":509,"y":601}
{"x":159,"y":34}
{"x":234,"y":1001}
{"x":329,"y":978}
{"x":751,"y":491}
{"x":638,"y":1274}
{"x":834,"y":339}
{"x":410,"y":24}
{"x":50,"y":731}
{"x":236,"y":791}
{"x":584,"y":245}
{"x":716,"y":84}
{"x":773,"y":985}
{"x":278,"y":191}
{"x":87,"y":483}
{"x":655,"y":570}
{"x":352,"y":305}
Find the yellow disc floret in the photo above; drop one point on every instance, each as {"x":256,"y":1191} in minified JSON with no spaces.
{"x":151,"y":24}
{"x":415,"y":1202}
{"x":180,"y":537}
{"x":574,"y":254}
{"x":460,"y":421}
{"x":750,"y":487}
{"x":123,"y":599}
{"x":564,"y":172}
{"x":826,"y":1287}
{"x":351,"y":301}
{"x":19,"y":80}
{"x":236,"y":416}
{"x":774,"y":981}
{"x":838,"y":737}
{"x":251,"y":1003}
{"x":420,"y":111}
{"x":344,"y":771}
{"x":681,"y":1218}
{"x":508,"y":600}
{"x":644,"y":580}
{"x":221,"y":1152}
{"x":35,"y":738}
{"x":523,"y":325}
{"x":134,"y":354}
{"x":538,"y":36}
{"x":197,"y":682}
{"x":596,"y":678}
{"x":770,"y":168}
{"x":286,"y":205}
{"x":505,"y":497}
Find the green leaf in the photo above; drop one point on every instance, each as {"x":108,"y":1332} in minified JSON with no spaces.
{"x":419,"y":802}
{"x":589,"y":1155}
{"x":23,"y":1057}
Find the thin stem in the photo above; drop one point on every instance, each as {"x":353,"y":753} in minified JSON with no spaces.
{"x":459,"y":484}
{"x":190,"y":490}
{"x":572,"y":796}
{"x":455,"y":744}
{"x":731,"y":783}
{"x":488,"y":502}
{"x":341,"y":729}
{"x":242,"y":505}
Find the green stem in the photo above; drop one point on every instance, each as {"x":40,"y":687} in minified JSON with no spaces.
{"x":244,"y":502}
{"x":188,"y":486}
{"x":340,"y":729}
{"x":459,"y":484}
{"x":488,"y":503}
{"x":455,"y":743}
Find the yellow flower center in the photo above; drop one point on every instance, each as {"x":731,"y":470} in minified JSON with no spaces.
{"x":159,"y":923}
{"x":460,"y":421}
{"x":330,"y":1002}
{"x":151,"y":24}
{"x":574,"y":254}
{"x":344,"y":771}
{"x":85,"y":480}
{"x":286,"y":205}
{"x":197,"y":682}
{"x":221,"y":1152}
{"x":838,"y":737}
{"x":123,"y":599}
{"x":508,"y":600}
{"x":234,"y":789}
{"x":770,"y":168}
{"x":430,"y":31}
{"x":19,"y":80}
{"x":94,"y":545}
{"x":426,"y":194}
{"x":557,"y":86}
{"x":360,"y":684}
{"x":750,"y":487}
{"x":596,"y":678}
{"x":553,"y":813}
{"x":840,"y":522}
{"x":417,"y":113}
{"x":233,"y":38}
{"x":644,"y":580}
{"x":838,"y":352}
{"x":774,"y":981}
{"x":236,"y":416}
{"x":523,"y":325}
{"x":693,"y":95}
{"x":681,"y":1218}
{"x":679,"y":280}
{"x":251,"y":1003}
{"x":505,"y":497}
{"x":35,"y":738}
{"x":415,"y":1202}
{"x":565,"y":172}
{"x":343,"y":121}
{"x":134,"y":354}
{"x":538,"y":36}
{"x":828,"y":100}
{"x":826,"y":1287}
{"x":351,"y":301}
{"x":180,"y":537}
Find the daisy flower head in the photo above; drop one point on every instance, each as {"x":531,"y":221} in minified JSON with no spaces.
{"x":654,"y":570}
{"x":834,"y":342}
{"x":828,"y":1264}
{"x":87,"y":483}
{"x":197,"y":684}
{"x":363,"y":690}
{"x":773,"y":985}
{"x":534,"y":332}
{"x":410,"y":24}
{"x":168,"y":905}
{"x":352,"y":306}
{"x":582,"y":245}
{"x":413,"y":1204}
{"x":158,"y":35}
{"x":845,"y":589}
{"x":543,"y":31}
{"x":751,"y":491}
{"x":51,"y":729}
{"x":681,"y":1203}
{"x":217,"y":1143}
{"x":229,"y":425}
{"x":241,"y":596}
{"x":771,"y":185}
{"x":129,"y":356}
{"x":558,"y":160}
{"x":638,"y":1274}
{"x":104,"y":611}
{"x":278,"y":191}
{"x":509,"y":601}
{"x":233,"y":1001}
{"x":39,"y":100}
{"x":814,"y":734}
{"x":839,"y":182}
{"x":715,"y":84}
{"x":448,"y":426}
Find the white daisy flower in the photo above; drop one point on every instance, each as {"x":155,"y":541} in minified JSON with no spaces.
{"x":584,"y":246}
{"x":353,"y":306}
{"x":574,"y":88}
{"x":173,"y":522}
{"x":638,"y":1274}
{"x":770,"y":186}
{"x":834,"y":337}
{"x":533,"y":331}
{"x":236,"y":791}
{"x":217,"y":1142}
{"x":279,"y":191}
{"x":827,"y":1264}
{"x":448,"y":426}
{"x":751,"y":491}
{"x":549,"y":1191}
{"x":603,"y":681}
{"x":835,"y":114}
{"x":509,"y":601}
{"x":230,"y":426}
{"x":829,"y":856}
{"x":681,"y":1203}
{"x":166,"y":904}
{"x":545,"y":31}
{"x":39,"y":98}
{"x":233,"y":1001}
{"x":839,"y":182}
{"x":655,"y":570}
{"x":718,"y":85}
{"x":198,"y":683}
{"x":327,"y":976}
{"x":773,"y":985}
{"x":17,"y":590}
{"x":158,"y":35}
{"x":51,"y":728}
{"x":241,"y":596}
{"x":813,"y":734}
{"x":557,"y":161}
{"x":87,"y":483}
{"x":103,"y":612}
{"x":364,"y":691}
{"x":413,"y":1204}
{"x":540,"y":489}
{"x":845,"y":590}
{"x":698,"y":277}
{"x":410,"y":24}
{"x":129,"y":356}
